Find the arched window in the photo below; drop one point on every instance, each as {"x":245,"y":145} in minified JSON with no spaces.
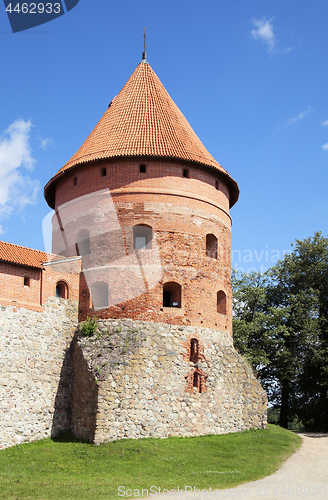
{"x":194,"y":350}
{"x":62,"y":290}
{"x":197,"y":381}
{"x":99,"y":295}
{"x":142,"y":237}
{"x":83,"y":242}
{"x":211,"y":246}
{"x":171,"y":294}
{"x":221,"y":302}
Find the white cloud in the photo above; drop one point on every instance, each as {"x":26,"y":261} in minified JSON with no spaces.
{"x":325,"y":123}
{"x":264,"y":32}
{"x":17,"y":189}
{"x":325,"y":146}
{"x":300,"y":116}
{"x":45,"y":143}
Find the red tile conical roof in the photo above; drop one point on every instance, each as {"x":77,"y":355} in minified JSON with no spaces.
{"x":143,"y":120}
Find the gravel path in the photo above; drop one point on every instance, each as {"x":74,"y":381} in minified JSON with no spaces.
{"x":304,"y":476}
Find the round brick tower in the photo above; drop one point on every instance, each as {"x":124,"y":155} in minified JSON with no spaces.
{"x":147,"y":207}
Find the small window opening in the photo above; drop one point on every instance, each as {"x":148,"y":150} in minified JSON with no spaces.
{"x":197,"y":381}
{"x":62,"y":290}
{"x":186,"y":173}
{"x":211,"y":246}
{"x":74,"y":181}
{"x":221,"y":302}
{"x":27,"y":281}
{"x":142,"y":237}
{"x":103,"y":172}
{"x":99,"y":295}
{"x":194,"y":350}
{"x":172,"y":295}
{"x":142,"y":169}
{"x":82,"y":244}
{"x":217,"y":186}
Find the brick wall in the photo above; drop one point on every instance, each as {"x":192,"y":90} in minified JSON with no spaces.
{"x":41,"y":283}
{"x":181,"y":211}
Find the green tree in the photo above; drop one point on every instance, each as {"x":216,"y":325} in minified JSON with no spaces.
{"x":301,"y":280}
{"x":280,"y":324}
{"x":249,"y":317}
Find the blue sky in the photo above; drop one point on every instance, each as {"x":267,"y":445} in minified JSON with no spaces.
{"x":250,"y":77}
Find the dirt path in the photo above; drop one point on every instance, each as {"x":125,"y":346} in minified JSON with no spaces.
{"x":304,"y":476}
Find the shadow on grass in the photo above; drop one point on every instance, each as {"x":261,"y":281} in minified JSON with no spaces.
{"x":68,"y":437}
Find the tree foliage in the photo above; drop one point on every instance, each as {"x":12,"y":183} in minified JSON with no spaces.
{"x":281,"y":325}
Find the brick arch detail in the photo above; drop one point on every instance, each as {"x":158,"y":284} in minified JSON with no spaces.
{"x":187,"y":346}
{"x":190,"y":380}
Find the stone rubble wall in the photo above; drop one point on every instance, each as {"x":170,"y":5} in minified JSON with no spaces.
{"x":35,"y":370}
{"x":142,"y":373}
{"x":131,"y":379}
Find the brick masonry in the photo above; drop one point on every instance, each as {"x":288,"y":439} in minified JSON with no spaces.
{"x":182,"y":212}
{"x":41,"y":283}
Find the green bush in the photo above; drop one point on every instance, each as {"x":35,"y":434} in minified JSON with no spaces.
{"x":88,"y":327}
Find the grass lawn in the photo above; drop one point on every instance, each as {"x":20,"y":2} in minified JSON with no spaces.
{"x":47,"y":469}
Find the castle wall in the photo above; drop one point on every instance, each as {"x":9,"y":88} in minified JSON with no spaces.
{"x":161,"y":174}
{"x":145,"y":382}
{"x":41,"y":284}
{"x":35,"y":370}
{"x":181,"y":211}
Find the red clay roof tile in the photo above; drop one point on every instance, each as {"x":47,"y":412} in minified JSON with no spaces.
{"x":23,"y":256}
{"x":143,"y":120}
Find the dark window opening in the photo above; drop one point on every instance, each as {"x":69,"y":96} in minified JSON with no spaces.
{"x":142,"y":169}
{"x":211,"y":246}
{"x":82,"y":244}
{"x":103,"y":172}
{"x":167,"y":299}
{"x":62,"y":290}
{"x":27,"y":281}
{"x":217,"y":186}
{"x":221,"y":302}
{"x":186,"y":173}
{"x":142,"y":237}
{"x":197,"y":381}
{"x":194,"y":350}
{"x":99,"y":295}
{"x":74,"y":181}
{"x":172,"y":294}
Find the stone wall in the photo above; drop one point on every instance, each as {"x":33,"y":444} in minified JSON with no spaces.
{"x":35,"y":370}
{"x":146,"y":383}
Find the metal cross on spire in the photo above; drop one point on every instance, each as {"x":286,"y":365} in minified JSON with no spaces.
{"x":144,"y":54}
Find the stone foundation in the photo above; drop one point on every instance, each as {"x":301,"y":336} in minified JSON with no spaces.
{"x":35,"y":371}
{"x":144,"y":378}
{"x":131,"y":379}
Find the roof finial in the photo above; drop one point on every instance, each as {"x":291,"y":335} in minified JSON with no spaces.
{"x":144,"y":54}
